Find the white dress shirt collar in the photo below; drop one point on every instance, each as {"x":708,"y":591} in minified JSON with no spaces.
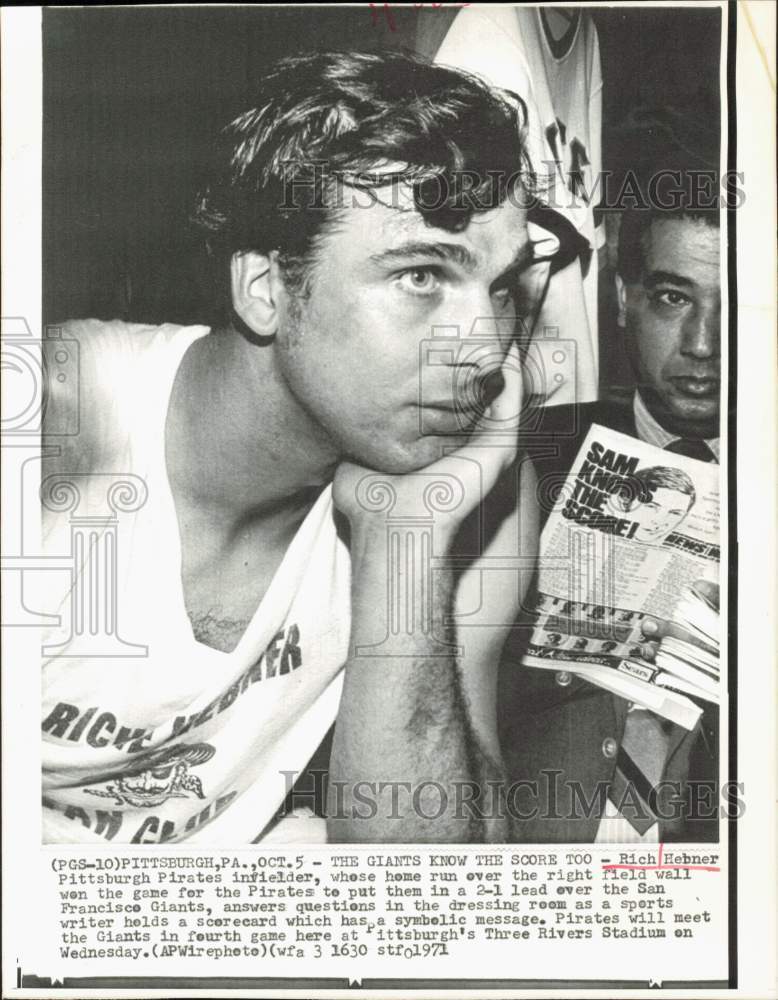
{"x":651,"y":432}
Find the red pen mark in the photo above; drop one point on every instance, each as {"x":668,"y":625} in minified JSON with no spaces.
{"x":650,"y":868}
{"x":389,"y":16}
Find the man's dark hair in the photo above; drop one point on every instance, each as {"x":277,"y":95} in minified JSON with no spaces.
{"x":328,"y":119}
{"x":646,"y":481}
{"x":635,"y":227}
{"x":672,"y":155}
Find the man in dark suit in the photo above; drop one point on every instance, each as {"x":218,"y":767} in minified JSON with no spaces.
{"x":567,"y":743}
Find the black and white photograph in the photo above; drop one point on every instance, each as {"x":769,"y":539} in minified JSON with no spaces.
{"x":373,"y":525}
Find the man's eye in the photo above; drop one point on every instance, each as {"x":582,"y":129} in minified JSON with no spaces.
{"x":669,"y":297}
{"x":420,"y":281}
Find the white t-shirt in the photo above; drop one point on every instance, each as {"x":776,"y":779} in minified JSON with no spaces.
{"x":507,"y":46}
{"x":148,"y":735}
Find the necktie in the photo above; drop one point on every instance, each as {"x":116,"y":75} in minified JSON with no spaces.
{"x":639,"y":765}
{"x":691,"y":448}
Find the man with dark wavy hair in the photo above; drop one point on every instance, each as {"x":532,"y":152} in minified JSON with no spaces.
{"x":362,"y":202}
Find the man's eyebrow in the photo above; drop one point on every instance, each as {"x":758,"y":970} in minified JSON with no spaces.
{"x":418,"y":248}
{"x":447,"y":251}
{"x":654,"y":278}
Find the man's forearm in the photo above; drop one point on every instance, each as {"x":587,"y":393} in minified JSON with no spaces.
{"x":406,"y":765}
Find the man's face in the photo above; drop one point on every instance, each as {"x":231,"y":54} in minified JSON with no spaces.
{"x":672,"y":320}
{"x":152,"y":787}
{"x":350,"y":353}
{"x":663,"y":512}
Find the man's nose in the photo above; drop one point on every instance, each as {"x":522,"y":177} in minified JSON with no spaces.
{"x":481,"y":326}
{"x":479,"y":321}
{"x":486,"y":341}
{"x":702,"y":333}
{"x":483,"y":343}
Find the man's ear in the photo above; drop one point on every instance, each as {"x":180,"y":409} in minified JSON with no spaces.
{"x":256,"y":288}
{"x":621,"y":300}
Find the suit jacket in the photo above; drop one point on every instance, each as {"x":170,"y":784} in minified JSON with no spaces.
{"x":559,"y":733}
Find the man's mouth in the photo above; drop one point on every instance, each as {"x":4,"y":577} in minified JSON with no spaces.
{"x":448,"y":419}
{"x":473,"y":396}
{"x":466,"y":406}
{"x":150,"y":790}
{"x":693,"y":385}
